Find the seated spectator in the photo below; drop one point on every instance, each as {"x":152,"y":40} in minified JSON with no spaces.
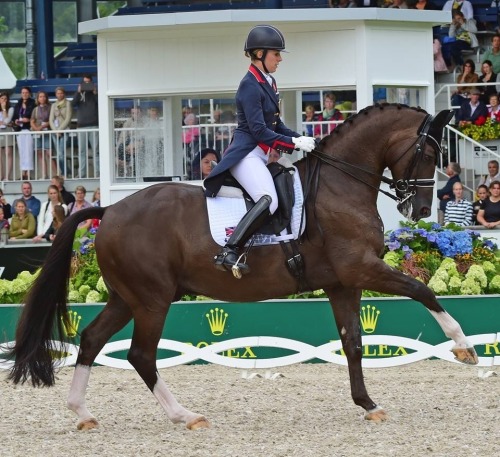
{"x":464,"y":81}
{"x":309,"y":116}
{"x":45,"y":217}
{"x":487,"y":76}
{"x":329,"y":113}
{"x":80,"y":203}
{"x":32,"y":203}
{"x":439,"y":63}
{"x":61,"y":112}
{"x":489,"y":214}
{"x":493,"y":54}
{"x":465,"y":6}
{"x":458,"y":210}
{"x":461,"y":37}
{"x":202,"y":163}
{"x":494,"y":108}
{"x":58,"y":181}
{"x":4,"y":223}
{"x":445,"y":194}
{"x":493,"y":173}
{"x":40,"y":123}
{"x":482,"y":193}
{"x":7,"y":210}
{"x":23,"y":224}
{"x":58,"y":217}
{"x":471,"y":110}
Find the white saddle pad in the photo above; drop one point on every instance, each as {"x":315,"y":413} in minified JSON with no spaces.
{"x":224,"y":213}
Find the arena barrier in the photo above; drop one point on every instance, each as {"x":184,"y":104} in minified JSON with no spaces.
{"x":270,"y":334}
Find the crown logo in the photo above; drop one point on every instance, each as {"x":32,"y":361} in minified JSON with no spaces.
{"x":217,"y":321}
{"x":71,"y":323}
{"x":369,"y":318}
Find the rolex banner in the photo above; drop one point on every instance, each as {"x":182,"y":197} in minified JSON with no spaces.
{"x":274,"y":333}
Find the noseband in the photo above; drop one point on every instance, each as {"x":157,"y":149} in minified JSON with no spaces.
{"x":404,"y":188}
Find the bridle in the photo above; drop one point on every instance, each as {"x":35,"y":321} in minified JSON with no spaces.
{"x":405,"y":188}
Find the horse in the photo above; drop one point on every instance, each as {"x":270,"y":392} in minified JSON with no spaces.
{"x":154,"y":246}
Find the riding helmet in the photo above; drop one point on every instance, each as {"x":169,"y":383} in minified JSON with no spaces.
{"x":265,"y":37}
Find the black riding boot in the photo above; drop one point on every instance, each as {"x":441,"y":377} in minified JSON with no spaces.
{"x":227,"y":260}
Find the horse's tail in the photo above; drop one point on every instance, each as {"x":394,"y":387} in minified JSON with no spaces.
{"x":45,"y":308}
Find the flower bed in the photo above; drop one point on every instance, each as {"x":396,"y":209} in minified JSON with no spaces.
{"x":450,"y":260}
{"x":482,"y":129}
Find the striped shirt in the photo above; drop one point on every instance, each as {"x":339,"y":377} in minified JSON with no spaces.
{"x":458,"y":212}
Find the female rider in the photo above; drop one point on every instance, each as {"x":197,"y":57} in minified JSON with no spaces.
{"x":259,"y":130}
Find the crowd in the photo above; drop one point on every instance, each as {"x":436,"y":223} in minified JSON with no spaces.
{"x":29,"y":218}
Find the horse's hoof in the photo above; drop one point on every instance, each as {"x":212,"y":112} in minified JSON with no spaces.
{"x":376,"y":415}
{"x":87,"y":424}
{"x":466,"y":355}
{"x":198,"y":423}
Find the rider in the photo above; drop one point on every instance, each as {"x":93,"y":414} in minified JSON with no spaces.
{"x":259,"y":130}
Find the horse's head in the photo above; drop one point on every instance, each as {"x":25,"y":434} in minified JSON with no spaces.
{"x":413,"y":168}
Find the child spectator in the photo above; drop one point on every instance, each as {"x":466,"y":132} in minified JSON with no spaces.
{"x":482,"y":193}
{"x":459,"y":210}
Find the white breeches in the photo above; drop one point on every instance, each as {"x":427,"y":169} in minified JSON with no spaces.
{"x":25,"y":145}
{"x":252,"y":173}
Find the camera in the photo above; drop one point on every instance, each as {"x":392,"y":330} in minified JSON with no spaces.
{"x":87,"y":87}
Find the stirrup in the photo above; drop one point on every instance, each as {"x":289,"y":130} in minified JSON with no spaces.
{"x":228,"y":260}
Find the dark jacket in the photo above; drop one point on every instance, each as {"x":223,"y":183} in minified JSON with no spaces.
{"x":447,"y":190}
{"x":67,"y":197}
{"x":259,"y":124}
{"x":30,"y":106}
{"x":464,"y":113}
{"x":87,"y":111}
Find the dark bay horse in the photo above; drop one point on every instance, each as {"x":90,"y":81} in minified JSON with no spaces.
{"x":155,"y":246}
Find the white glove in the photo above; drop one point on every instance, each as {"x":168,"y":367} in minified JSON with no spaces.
{"x":306,"y":143}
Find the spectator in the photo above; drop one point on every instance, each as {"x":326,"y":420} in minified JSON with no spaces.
{"x":40,"y":123}
{"x":458,"y":210}
{"x":202,"y":163}
{"x":445,"y":194}
{"x":96,"y":197}
{"x":190,"y":136}
{"x":130,"y":143}
{"x":4,"y":223}
{"x":224,"y":133}
{"x":471,"y":110}
{"x":60,"y":119}
{"x":493,"y":173}
{"x":58,"y":217}
{"x":6,"y":141}
{"x":487,"y":76}
{"x":273,"y":156}
{"x":329,"y":113}
{"x":401,"y":4}
{"x":309,"y":116}
{"x":493,"y":54}
{"x":464,"y":81}
{"x":494,"y":108}
{"x":32,"y":203}
{"x":439,"y":63}
{"x":87,"y":117}
{"x":22,"y":122}
{"x":460,"y":5}
{"x":23,"y":224}
{"x":58,"y":181}
{"x":425,"y":5}
{"x":489,"y":214}
{"x":7,"y":210}
{"x":80,"y":203}
{"x":482,"y":193}
{"x":463,"y":37}
{"x":45,"y":217}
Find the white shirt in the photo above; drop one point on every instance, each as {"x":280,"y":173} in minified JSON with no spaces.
{"x":466,"y":8}
{"x":45,"y":218}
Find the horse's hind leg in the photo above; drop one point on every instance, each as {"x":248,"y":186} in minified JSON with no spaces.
{"x":345,"y":305}
{"x":148,"y":327}
{"x":110,"y":320}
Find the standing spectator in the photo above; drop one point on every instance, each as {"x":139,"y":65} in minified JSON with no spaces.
{"x":487,"y":76}
{"x":329,"y":113}
{"x":458,"y":210}
{"x":40,"y":123}
{"x":80,"y":203}
{"x":493,"y":54}
{"x":32,"y":203}
{"x":96,"y":197}
{"x":23,"y":224}
{"x":309,"y":116}
{"x":68,"y":197}
{"x":460,"y":5}
{"x":482,"y":193}
{"x":7,"y":210}
{"x":60,"y":119}
{"x":489,"y":214}
{"x":6,"y":141}
{"x":22,"y":121}
{"x":493,"y":173}
{"x":190,"y":136}
{"x":471,"y":110}
{"x":463,"y":34}
{"x":445,"y":194}
{"x":87,"y":117}
{"x":45,"y":217}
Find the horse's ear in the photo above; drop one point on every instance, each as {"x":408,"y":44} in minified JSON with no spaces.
{"x":438,"y":123}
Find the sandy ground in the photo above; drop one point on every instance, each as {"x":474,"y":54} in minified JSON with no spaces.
{"x":436,"y":409}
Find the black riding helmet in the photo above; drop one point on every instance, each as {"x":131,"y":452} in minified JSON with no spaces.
{"x":264,"y":37}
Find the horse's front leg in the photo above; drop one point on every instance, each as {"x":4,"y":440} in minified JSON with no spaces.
{"x":345,"y":304}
